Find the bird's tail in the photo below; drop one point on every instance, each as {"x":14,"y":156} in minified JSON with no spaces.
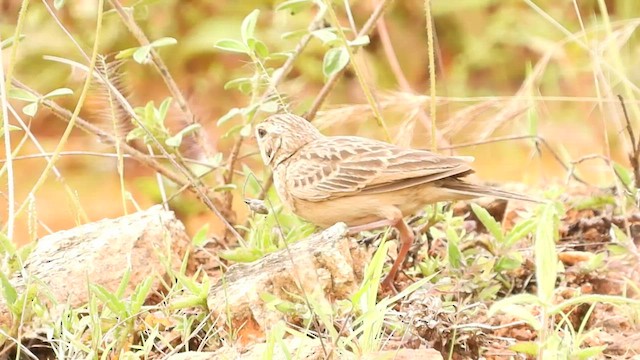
{"x":473,"y":190}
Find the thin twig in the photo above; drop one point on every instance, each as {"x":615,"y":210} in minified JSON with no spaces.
{"x":4,"y":108}
{"x":432,"y":72}
{"x":366,"y":89}
{"x":102,"y":154}
{"x":200,"y":137}
{"x":537,"y":138}
{"x":634,"y":156}
{"x":367,"y":28}
{"x":404,"y":84}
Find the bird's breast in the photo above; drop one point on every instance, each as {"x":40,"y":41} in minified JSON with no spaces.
{"x":279,"y":182}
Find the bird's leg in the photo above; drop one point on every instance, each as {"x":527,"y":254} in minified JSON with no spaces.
{"x":406,"y":239}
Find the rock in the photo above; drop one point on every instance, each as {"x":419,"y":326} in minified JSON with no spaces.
{"x":327,"y":264}
{"x":64,"y":263}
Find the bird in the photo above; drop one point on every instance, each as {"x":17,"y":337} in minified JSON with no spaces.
{"x":365,"y":183}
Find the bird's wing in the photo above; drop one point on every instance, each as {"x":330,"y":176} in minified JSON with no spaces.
{"x":345,"y":165}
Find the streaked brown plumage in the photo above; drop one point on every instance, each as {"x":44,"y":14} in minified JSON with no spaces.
{"x":363,"y":182}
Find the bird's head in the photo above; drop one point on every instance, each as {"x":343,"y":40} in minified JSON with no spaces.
{"x":280,"y":136}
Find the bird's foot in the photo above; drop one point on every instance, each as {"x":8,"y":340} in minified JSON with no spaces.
{"x":387,"y":284}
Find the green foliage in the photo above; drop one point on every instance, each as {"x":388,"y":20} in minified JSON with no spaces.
{"x":152,"y":127}
{"x":34,"y":101}
{"x":267,"y":234}
{"x":200,"y":238}
{"x":199,"y":290}
{"x":545,"y":251}
{"x":335,"y":60}
{"x":141,"y":54}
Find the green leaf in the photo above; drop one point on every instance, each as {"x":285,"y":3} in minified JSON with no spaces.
{"x":20,"y":94}
{"x":231,"y":45}
{"x":546,"y":257}
{"x":248,"y":27}
{"x":216,"y":160}
{"x":515,"y":299}
{"x":124,"y":282}
{"x":294,"y":6}
{"x":140,"y":295}
{"x":509,"y":262}
{"x":140,"y":54}
{"x":523,"y":313}
{"x":269,"y":107}
{"x":9,"y":41}
{"x":238,"y":83}
{"x":165,"y":41}
{"x":454,"y":254}
{"x":592,"y":352}
{"x":11,"y":128}
{"x":30,"y":109}
{"x":189,"y":283}
{"x":58,"y":92}
{"x":334,"y":61}
{"x":109,"y":299}
{"x":137,"y":133}
{"x":488,"y":221}
{"x":228,"y":116}
{"x":176,"y":139}
{"x":619,"y":237}
{"x":226,"y":187}
{"x":241,"y":254}
{"x":526,"y":347}
{"x":595,"y":202}
{"x":126,"y":53}
{"x":285,"y":55}
{"x":164,"y":108}
{"x":360,"y":41}
{"x":9,"y":292}
{"x":624,"y":174}
{"x":520,"y":230}
{"x":186,"y":302}
{"x":7,"y":247}
{"x":200,"y":238}
{"x":294,"y":34}
{"x":234,"y":129}
{"x":326,"y":35}
{"x":258,"y":47}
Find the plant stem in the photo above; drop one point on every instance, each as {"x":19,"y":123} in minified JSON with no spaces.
{"x":367,"y":28}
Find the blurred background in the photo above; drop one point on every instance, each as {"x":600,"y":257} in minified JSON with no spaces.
{"x":541,"y":76}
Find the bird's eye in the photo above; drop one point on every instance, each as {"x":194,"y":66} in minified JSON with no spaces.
{"x":262,"y":133}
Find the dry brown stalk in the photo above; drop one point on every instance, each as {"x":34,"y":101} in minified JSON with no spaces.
{"x":634,"y":155}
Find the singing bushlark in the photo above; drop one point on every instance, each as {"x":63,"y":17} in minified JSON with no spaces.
{"x":362,"y":182}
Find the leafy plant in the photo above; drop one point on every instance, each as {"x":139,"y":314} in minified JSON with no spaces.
{"x":34,"y":101}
